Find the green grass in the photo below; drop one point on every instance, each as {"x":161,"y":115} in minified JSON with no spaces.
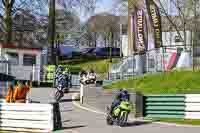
{"x":98,"y":65}
{"x":182,"y":82}
{"x":179,"y":121}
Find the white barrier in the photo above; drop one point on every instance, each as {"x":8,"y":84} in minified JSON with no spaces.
{"x":26,"y":117}
{"x":81,"y":93}
{"x":192,"y":106}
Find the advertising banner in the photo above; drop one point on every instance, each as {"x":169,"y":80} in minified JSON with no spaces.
{"x":155,"y":20}
{"x":139,"y":30}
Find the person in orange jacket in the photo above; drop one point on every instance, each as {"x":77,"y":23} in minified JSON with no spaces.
{"x":9,"y":97}
{"x":20,"y":93}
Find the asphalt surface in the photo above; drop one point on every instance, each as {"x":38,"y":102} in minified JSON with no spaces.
{"x":100,"y":99}
{"x":76,"y":120}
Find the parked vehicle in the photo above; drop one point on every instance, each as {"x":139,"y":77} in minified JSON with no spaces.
{"x":83,"y":77}
{"x":88,"y":77}
{"x":91,"y":79}
{"x":119,"y":114}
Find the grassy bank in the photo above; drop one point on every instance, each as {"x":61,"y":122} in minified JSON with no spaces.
{"x":99,"y":66}
{"x":163,"y":83}
{"x":179,"y":121}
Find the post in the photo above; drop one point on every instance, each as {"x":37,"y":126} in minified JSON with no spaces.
{"x":51,"y":30}
{"x":56,"y":116}
{"x":120,"y":40}
{"x":81,"y":93}
{"x":33,"y":73}
{"x":139,"y":105}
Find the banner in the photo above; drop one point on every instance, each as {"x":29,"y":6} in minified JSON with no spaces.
{"x":155,"y":20}
{"x":139,"y":30}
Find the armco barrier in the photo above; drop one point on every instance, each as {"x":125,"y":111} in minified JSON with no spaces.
{"x":172,"y":106}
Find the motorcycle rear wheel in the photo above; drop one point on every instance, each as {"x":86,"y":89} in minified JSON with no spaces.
{"x":109,"y":120}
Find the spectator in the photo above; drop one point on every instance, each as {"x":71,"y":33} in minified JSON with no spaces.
{"x":9,"y":97}
{"x":20,"y":93}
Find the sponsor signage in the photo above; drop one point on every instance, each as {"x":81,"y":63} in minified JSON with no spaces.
{"x":139,"y":29}
{"x":155,"y":20}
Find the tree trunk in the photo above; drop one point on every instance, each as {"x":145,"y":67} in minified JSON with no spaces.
{"x":51,"y":31}
{"x":95,"y":39}
{"x":8,"y":20}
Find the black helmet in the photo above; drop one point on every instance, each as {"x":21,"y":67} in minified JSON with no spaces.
{"x":125,"y":91}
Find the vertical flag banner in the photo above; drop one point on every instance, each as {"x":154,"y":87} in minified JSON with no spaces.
{"x":155,"y":20}
{"x":139,"y":30}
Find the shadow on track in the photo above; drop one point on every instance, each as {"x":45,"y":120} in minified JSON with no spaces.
{"x":67,"y":100}
{"x":73,"y":127}
{"x":137,"y":123}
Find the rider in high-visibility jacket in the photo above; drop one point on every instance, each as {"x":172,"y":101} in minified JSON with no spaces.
{"x":121,"y":96}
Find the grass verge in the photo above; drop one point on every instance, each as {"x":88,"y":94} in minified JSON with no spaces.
{"x":178,"y":121}
{"x":99,"y":66}
{"x":175,"y":82}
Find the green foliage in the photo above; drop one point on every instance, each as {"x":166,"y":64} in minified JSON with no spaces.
{"x":183,"y":82}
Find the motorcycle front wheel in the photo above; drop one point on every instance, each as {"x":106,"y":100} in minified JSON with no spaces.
{"x":58,"y":95}
{"x":123,"y":119}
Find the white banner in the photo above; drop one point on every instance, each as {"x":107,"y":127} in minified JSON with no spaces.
{"x":125,"y":45}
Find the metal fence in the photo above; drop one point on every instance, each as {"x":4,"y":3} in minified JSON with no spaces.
{"x":196,"y":58}
{"x":75,"y":80}
{"x":157,"y":60}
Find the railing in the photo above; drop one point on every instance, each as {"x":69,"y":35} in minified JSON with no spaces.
{"x":185,"y":106}
{"x":156,"y":60}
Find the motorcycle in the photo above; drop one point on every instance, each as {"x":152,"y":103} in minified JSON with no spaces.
{"x":119,"y":114}
{"x":83,"y":79}
{"x":61,"y":87}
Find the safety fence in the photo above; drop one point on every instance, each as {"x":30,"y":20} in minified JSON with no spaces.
{"x":156,"y":60}
{"x":185,"y":106}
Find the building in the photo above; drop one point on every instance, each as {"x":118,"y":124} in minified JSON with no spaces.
{"x":25,"y":53}
{"x":28,"y":31}
{"x":24,"y":63}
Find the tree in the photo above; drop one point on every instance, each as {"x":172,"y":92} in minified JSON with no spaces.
{"x":121,"y":7}
{"x":9,"y":8}
{"x":188,"y":16}
{"x":104,"y":24}
{"x":86,"y":5}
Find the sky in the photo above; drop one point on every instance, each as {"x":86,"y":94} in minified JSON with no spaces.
{"x":102,"y":6}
